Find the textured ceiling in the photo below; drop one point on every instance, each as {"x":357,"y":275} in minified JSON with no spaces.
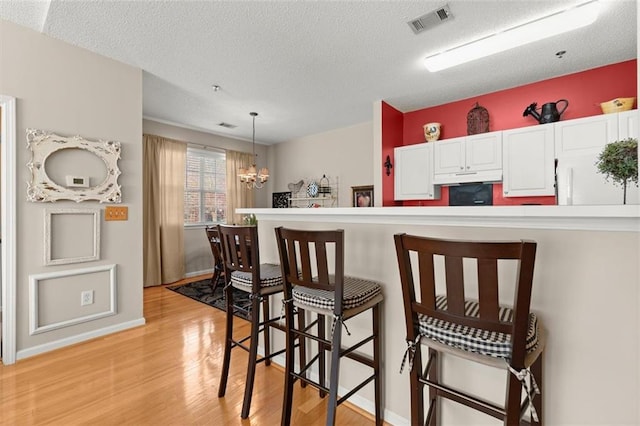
{"x":308,"y":67}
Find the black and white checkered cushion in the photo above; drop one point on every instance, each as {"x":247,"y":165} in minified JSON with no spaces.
{"x":472,"y":339}
{"x":270,"y":275}
{"x":357,"y":292}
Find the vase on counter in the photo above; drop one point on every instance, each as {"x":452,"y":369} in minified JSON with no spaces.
{"x":432,"y":131}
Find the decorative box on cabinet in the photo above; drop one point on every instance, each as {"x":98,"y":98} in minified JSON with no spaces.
{"x":468,"y":159}
{"x":528,"y":161}
{"x":414,"y":173}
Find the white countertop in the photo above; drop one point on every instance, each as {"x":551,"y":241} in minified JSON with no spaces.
{"x":593,"y":218}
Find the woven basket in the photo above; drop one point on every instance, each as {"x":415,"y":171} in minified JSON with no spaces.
{"x":617,"y":105}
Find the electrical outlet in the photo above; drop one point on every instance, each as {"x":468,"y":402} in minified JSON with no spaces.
{"x":86,"y":297}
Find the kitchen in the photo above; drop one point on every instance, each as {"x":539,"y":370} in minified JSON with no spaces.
{"x":583,"y":249}
{"x":586,"y":270}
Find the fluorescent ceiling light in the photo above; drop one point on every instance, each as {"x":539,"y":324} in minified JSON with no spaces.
{"x":549,"y":26}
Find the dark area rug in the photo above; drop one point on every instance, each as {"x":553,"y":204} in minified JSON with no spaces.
{"x":202,"y":292}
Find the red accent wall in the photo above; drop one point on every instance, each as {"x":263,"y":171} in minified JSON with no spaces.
{"x":392,"y":120}
{"x":584,"y":91}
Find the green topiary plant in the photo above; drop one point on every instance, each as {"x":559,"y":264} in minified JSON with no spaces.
{"x":618,"y":161}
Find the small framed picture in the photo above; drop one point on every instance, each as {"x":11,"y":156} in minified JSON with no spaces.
{"x":280,"y":200}
{"x":362,"y":196}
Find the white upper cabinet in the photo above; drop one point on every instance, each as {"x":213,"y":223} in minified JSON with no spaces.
{"x":450,"y":156}
{"x":628,"y":124}
{"x":414,"y":173}
{"x":473,"y":158}
{"x":528,"y":161}
{"x":585,"y":135}
{"x":578,"y":145}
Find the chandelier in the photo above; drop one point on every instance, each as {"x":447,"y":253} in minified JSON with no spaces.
{"x":251,"y":176}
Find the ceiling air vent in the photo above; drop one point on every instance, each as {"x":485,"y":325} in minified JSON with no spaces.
{"x":430,"y":19}
{"x":227,"y":125}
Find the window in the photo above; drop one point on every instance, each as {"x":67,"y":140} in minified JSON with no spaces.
{"x":205,"y":187}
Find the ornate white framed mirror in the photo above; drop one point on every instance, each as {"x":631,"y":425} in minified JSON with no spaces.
{"x":69,"y":168}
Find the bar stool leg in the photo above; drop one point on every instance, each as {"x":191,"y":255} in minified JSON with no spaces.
{"x":514,"y":392}
{"x":287,"y":400}
{"x":253,"y":356}
{"x":302,"y":345}
{"x":416,"y":391}
{"x":433,"y":374}
{"x":322,"y":362}
{"x":536,"y":370}
{"x":376,"y":364}
{"x":336,"y":343}
{"x":266,"y":313}
{"x":227,"y":342}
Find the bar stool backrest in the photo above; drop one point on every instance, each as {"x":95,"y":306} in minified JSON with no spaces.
{"x":305,"y":259}
{"x":240,"y":251}
{"x":420,"y":297}
{"x":214,"y":242}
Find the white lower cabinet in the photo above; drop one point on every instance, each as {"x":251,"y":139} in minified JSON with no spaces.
{"x":414,"y":173}
{"x":528,"y":161}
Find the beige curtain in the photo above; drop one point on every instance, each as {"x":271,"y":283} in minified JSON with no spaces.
{"x":163,"y":209}
{"x":238,"y":195}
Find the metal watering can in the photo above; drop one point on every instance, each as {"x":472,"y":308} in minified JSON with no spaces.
{"x":549,"y":112}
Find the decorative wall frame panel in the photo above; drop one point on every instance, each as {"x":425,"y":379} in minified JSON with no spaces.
{"x":34,"y":282}
{"x":43,"y":189}
{"x":94,"y":233}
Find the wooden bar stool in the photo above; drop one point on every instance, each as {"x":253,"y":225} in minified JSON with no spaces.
{"x":312,"y":285}
{"x":478,"y":329}
{"x":243,"y":271}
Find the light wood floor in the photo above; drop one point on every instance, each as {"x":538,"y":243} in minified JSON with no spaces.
{"x":164,"y":373}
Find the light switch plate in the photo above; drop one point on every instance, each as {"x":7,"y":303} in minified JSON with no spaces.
{"x":116,"y":213}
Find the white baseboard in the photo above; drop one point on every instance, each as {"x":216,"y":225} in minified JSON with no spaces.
{"x":196,"y":273}
{"x":40,"y":349}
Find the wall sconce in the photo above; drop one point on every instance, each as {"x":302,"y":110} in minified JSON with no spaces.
{"x":388,"y":165}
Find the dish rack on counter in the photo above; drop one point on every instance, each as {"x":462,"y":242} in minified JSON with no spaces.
{"x":314,"y":192}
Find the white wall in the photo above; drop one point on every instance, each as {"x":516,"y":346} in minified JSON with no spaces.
{"x":346,"y":153}
{"x":71,"y":91}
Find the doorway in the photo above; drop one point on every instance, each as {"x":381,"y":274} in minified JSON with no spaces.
{"x":8,"y":227}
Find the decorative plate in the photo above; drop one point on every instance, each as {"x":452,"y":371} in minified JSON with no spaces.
{"x":312,"y":189}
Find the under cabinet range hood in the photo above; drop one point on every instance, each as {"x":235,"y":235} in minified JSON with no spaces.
{"x":471,"y":194}
{"x":468,"y":177}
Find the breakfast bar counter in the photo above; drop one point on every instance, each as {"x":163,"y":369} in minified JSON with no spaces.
{"x":586,"y":291}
